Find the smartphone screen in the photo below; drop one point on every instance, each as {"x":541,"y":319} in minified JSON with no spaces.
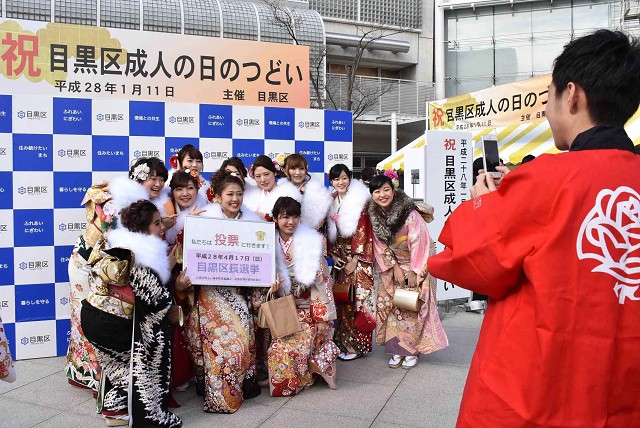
{"x":491,"y":155}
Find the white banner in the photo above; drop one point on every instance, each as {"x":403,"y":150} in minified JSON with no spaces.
{"x":449,"y":177}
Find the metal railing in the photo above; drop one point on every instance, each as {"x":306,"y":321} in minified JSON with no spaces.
{"x":375,"y":96}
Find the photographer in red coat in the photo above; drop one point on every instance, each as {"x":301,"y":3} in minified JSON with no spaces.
{"x":557,"y":249}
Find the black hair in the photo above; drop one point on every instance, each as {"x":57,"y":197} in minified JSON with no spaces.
{"x":221,"y":180}
{"x":137,"y":216}
{"x":181,"y":178}
{"x":265,"y":162}
{"x":286,"y":205}
{"x":191,"y":151}
{"x":338,"y":169}
{"x":378,"y":181}
{"x":156,"y":166}
{"x":478,"y":164}
{"x":606,"y":65}
{"x":528,"y":158}
{"x":235,"y":162}
{"x":367,"y":174}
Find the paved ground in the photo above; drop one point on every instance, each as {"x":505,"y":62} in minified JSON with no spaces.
{"x":369,"y":393}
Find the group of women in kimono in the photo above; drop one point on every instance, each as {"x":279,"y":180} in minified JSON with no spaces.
{"x":140,"y":328}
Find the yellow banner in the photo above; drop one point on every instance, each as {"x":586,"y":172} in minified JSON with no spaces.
{"x":509,"y":104}
{"x":90,"y":62}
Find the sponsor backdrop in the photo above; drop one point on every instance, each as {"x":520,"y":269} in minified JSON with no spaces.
{"x":52,"y":149}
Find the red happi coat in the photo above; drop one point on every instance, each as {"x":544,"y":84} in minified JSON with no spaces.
{"x":554,"y":249}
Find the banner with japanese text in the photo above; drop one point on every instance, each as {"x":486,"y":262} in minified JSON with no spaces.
{"x":229,"y":252}
{"x":518,"y":102}
{"x":66,"y":60}
{"x":449,"y":176}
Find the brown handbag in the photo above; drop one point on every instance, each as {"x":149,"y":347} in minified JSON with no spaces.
{"x":344,"y":292}
{"x":281,"y":316}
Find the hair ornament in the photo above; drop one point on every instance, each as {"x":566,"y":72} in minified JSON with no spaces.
{"x":141,"y":172}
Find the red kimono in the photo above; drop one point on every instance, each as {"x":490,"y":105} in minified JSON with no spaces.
{"x":557,"y":249}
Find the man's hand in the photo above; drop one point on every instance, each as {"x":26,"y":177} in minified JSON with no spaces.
{"x":487,"y":184}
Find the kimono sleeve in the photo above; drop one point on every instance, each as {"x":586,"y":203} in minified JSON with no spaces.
{"x":322,"y":305}
{"x":488,"y":238}
{"x":418,"y":236}
{"x":362,"y":241}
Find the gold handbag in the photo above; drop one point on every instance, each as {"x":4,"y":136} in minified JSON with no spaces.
{"x":407,"y":299}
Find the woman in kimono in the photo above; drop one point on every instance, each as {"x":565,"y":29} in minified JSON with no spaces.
{"x":102,"y":202}
{"x":189,"y":157}
{"x":219,"y":327}
{"x":293,"y":359}
{"x":185,"y":200}
{"x":7,"y":371}
{"x":260,"y":199}
{"x":127,"y":319}
{"x":316,"y":199}
{"x":401,"y":246}
{"x":351,"y":248}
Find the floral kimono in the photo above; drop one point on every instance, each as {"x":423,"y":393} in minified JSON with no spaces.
{"x":220,"y":337}
{"x":401,"y":237}
{"x":350,"y":235}
{"x":7,"y":372}
{"x":295,"y":358}
{"x":125,"y":319}
{"x":102,"y":202}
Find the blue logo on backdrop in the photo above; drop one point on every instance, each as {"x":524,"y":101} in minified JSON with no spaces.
{"x":146,"y":118}
{"x":63,"y":329}
{"x":70,"y":188}
{"x":33,"y":228}
{"x":174,"y":144}
{"x":62,"y":255}
{"x":215,"y":121}
{"x":10,"y":331}
{"x":5,"y":113}
{"x":313,"y":151}
{"x":6,"y":190}
{"x":110,"y":153}
{"x":248,"y":150}
{"x":6,"y":266}
{"x":35,"y":302}
{"x":71,"y":116}
{"x":338,"y":125}
{"x":32,"y":152}
{"x":279,"y":123}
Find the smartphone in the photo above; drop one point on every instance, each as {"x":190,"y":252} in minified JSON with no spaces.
{"x":490,"y":155}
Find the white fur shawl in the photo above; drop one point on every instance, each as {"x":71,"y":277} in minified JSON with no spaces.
{"x":125,"y":191}
{"x":149,"y":250}
{"x":214,"y":210}
{"x":350,"y":211}
{"x":163,"y":197}
{"x":307,"y":248}
{"x":316,"y":202}
{"x":171,"y":234}
{"x":254,"y":200}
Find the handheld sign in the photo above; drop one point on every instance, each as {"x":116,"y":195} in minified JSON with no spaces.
{"x":229,"y":252}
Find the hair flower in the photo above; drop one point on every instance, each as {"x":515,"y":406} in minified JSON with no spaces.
{"x":141,"y":172}
{"x":395,"y":178}
{"x":173,"y":161}
{"x":194,"y":173}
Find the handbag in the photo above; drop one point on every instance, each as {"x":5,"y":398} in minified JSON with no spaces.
{"x":344,"y":292}
{"x":281,"y":316}
{"x":407,"y":299}
{"x":364,"y":322}
{"x":261,"y":320}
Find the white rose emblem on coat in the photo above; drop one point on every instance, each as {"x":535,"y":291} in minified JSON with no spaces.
{"x":610,"y":234}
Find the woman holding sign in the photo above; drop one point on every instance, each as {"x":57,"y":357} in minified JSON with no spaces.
{"x":401,"y":246}
{"x":219,"y":331}
{"x":295,"y":358}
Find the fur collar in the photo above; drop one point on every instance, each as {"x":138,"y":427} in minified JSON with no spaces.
{"x":385,"y":226}
{"x":214,"y":210}
{"x":149,"y":250}
{"x":163,"y":197}
{"x":307,"y":249}
{"x":316,"y":202}
{"x":125,"y":191}
{"x":350,"y":211}
{"x":171,"y":234}
{"x":256,"y":202}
